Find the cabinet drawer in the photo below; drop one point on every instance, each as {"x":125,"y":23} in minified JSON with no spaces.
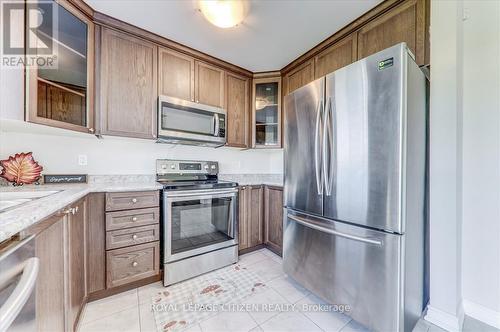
{"x":131,"y":236}
{"x":132,"y":218}
{"x":130,"y":264}
{"x":132,"y":200}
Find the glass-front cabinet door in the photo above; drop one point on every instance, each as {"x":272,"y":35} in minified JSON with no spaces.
{"x":198,"y":224}
{"x":59,"y":91}
{"x":267,"y":113}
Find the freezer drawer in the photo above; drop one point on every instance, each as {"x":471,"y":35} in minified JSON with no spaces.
{"x":348,"y":265}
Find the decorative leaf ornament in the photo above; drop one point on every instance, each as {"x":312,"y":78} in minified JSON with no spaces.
{"x":21,"y":169}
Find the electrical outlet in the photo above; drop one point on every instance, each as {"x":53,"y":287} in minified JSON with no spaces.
{"x":82,"y":159}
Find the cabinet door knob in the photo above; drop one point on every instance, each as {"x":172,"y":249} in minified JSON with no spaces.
{"x":134,"y":237}
{"x":135,"y":264}
{"x":91,"y":130}
{"x":134,"y":200}
{"x":134,"y":218}
{"x":67,"y":211}
{"x":73,"y":211}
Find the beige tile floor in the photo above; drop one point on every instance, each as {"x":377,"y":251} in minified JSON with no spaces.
{"x":130,"y":311}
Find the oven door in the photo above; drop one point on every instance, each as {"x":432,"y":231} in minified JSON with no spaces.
{"x":183,"y":120}
{"x":199,"y":221}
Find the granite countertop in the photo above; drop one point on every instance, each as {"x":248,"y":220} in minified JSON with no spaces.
{"x":254,"y":179}
{"x":16,"y":219}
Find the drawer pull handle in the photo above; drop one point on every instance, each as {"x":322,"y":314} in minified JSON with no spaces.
{"x":134,"y":218}
{"x":134,"y":200}
{"x":135,"y":264}
{"x":134,"y":237}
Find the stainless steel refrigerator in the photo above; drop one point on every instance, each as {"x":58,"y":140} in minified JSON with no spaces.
{"x":355,"y":156}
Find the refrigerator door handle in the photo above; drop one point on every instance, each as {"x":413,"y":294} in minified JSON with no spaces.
{"x":328,"y":153}
{"x":317,"y":151}
{"x":309,"y":224}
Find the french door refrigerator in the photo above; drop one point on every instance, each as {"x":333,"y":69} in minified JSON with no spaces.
{"x":355,"y":153}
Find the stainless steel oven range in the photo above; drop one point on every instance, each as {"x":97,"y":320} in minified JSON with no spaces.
{"x":199,"y":218}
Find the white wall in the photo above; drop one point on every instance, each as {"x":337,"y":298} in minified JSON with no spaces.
{"x":445,"y":167}
{"x":465,"y":162}
{"x":481,"y":161}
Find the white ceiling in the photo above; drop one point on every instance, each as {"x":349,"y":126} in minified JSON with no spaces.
{"x":274,"y":33}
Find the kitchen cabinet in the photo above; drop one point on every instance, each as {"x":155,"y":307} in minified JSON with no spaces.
{"x":61,"y":286}
{"x":50,"y":247}
{"x":96,"y":243}
{"x":128,"y":85}
{"x":406,"y":22}
{"x":273,"y":218}
{"x":237,"y":106}
{"x":132,"y":237}
{"x":209,"y":84}
{"x":266,"y":112}
{"x":338,"y":55}
{"x":183,"y":77}
{"x":76,"y":262}
{"x":176,"y":74}
{"x":64,"y":96}
{"x":299,"y":76}
{"x":251,"y":217}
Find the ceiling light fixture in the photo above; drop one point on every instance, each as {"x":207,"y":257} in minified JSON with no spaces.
{"x":224,"y":13}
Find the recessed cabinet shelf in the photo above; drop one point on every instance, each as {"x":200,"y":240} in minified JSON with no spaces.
{"x":266,"y":112}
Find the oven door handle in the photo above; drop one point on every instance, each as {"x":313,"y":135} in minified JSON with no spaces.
{"x":196,"y":193}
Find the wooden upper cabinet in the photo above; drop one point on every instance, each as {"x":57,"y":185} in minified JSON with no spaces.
{"x":300,"y":76}
{"x":404,"y":23}
{"x":64,"y":96}
{"x":176,"y":74}
{"x":338,"y":55}
{"x":209,"y":84}
{"x":128,"y":85}
{"x":237,"y":105}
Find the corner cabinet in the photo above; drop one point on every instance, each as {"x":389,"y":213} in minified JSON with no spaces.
{"x":266,"y":112}
{"x":128,"y":85}
{"x":63,"y":97}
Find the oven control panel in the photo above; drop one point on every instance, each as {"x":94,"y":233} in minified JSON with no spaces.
{"x":167,"y":166}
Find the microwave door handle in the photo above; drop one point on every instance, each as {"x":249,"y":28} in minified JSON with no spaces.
{"x":216,"y":124}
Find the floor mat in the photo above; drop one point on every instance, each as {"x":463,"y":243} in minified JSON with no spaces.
{"x":180,"y":306}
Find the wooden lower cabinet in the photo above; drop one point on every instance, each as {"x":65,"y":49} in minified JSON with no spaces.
{"x":273,"y":218}
{"x":61,"y":287}
{"x":77,"y":286}
{"x":261,"y":217}
{"x":50,"y":293}
{"x":251,"y":217}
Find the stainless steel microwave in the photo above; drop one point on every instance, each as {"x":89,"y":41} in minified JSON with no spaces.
{"x":184,"y":122}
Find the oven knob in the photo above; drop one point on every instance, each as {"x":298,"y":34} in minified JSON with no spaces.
{"x":163,"y":166}
{"x":206,"y":167}
{"x":172,"y":166}
{"x":212,"y":167}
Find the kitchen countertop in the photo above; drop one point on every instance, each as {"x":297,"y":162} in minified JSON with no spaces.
{"x":254,"y":179}
{"x":16,"y":219}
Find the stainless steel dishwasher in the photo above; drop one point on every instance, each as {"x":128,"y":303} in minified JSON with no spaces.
{"x":18,"y":275}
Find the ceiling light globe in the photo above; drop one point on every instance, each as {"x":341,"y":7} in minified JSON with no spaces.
{"x":224,"y":13}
